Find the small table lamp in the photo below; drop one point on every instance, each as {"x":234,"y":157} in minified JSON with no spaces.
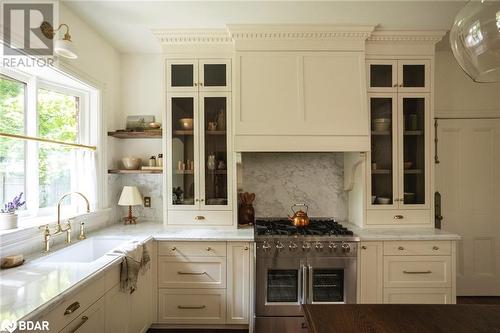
{"x":130,"y":197}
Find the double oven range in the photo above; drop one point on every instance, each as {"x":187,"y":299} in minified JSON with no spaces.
{"x":315,"y":264}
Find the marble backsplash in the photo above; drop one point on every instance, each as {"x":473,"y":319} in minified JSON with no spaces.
{"x":149,"y":185}
{"x":281,"y":179}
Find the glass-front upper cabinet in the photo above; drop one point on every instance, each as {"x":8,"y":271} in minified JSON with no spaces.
{"x":400,"y":140}
{"x":415,"y":137}
{"x":199,"y":75}
{"x":214,"y":149}
{"x":383,"y":156}
{"x":183,"y":146}
{"x":398,"y":75}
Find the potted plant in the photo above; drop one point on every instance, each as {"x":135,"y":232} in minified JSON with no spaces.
{"x":8,"y":216}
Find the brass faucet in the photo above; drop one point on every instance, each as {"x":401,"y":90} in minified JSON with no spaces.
{"x":59,"y":229}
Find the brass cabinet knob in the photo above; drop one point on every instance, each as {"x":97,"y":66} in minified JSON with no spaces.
{"x":400,"y":248}
{"x":245,"y":248}
{"x":363,"y":247}
{"x":435,"y":248}
{"x":398,"y":217}
{"x":201,"y":83}
{"x":209,"y":248}
{"x":395,"y":85}
{"x":199,"y":217}
{"x":196,"y":84}
{"x":174,"y":248}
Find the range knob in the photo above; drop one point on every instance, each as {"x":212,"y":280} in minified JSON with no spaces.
{"x":319,"y":246}
{"x":292,"y":246}
{"x":279,"y":245}
{"x":306,"y":246}
{"x":346,"y":248}
{"x":332,"y":246}
{"x":266,"y":246}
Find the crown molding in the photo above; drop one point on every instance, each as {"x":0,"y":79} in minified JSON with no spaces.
{"x":298,"y":32}
{"x":192,"y":36}
{"x":426,"y":36}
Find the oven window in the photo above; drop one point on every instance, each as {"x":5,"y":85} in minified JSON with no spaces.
{"x":328,"y":285}
{"x":282,"y":285}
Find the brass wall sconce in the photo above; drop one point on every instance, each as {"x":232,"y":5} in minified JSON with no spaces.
{"x":63,"y":47}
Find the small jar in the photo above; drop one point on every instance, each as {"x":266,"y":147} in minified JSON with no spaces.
{"x":152,"y":161}
{"x":159,"y":160}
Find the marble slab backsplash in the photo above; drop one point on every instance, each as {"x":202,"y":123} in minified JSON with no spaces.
{"x":281,"y":179}
{"x":149,"y":185}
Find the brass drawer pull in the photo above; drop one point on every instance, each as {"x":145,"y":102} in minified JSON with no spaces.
{"x":72,"y":308}
{"x":400,"y":248}
{"x":363,"y":247}
{"x":417,"y":272}
{"x":245,"y":248}
{"x":174,"y":248}
{"x":191,"y":273}
{"x":199,"y":218}
{"x":398,"y":217}
{"x":195,"y":307}
{"x":83,"y":321}
{"x":209,"y":248}
{"x":435,"y":248}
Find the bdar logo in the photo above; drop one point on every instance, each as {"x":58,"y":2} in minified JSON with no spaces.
{"x":8,"y":326}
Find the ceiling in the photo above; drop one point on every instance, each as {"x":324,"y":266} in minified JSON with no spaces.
{"x":127,"y":24}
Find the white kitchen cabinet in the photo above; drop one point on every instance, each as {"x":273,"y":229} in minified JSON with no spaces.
{"x":117,"y":309}
{"x":370,"y":273}
{"x":418,"y":296}
{"x":398,"y":75}
{"x":141,"y":303}
{"x":194,"y":75}
{"x":398,"y":168}
{"x":199,"y":158}
{"x":91,"y":320}
{"x":287,"y":101}
{"x":238,"y":282}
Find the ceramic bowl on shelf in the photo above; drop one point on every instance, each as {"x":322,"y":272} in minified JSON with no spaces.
{"x":131,"y":163}
{"x":381,"y":124}
{"x":186,"y":123}
{"x":154,"y":125}
{"x":383,"y":201}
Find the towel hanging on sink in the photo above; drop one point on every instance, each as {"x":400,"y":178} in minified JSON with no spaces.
{"x":136,"y":259}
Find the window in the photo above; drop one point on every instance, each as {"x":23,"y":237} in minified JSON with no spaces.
{"x":41,"y":164}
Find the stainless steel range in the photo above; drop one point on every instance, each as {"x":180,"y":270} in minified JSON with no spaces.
{"x":298,"y":265}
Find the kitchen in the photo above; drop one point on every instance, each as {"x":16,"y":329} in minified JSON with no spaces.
{"x":248,"y":166}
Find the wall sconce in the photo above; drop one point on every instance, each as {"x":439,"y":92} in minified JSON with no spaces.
{"x":63,"y":47}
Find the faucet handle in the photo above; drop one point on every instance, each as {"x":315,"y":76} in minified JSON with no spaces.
{"x":82,"y":231}
{"x":45,"y":228}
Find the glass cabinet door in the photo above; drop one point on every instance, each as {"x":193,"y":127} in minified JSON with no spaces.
{"x":383,"y":149}
{"x":414,"y":75}
{"x":382,"y":75}
{"x":215,"y":75}
{"x":414,"y":117}
{"x":183,"y":150}
{"x":182,"y":75}
{"x":214,"y":156}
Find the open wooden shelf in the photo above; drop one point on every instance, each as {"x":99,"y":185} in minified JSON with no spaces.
{"x":118,"y":171}
{"x":183,"y":132}
{"x":149,"y":134}
{"x":184,"y":172}
{"x":381,"y":172}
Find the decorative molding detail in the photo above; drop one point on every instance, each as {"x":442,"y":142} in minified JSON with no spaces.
{"x":298,"y":32}
{"x":200,"y":36}
{"x":430,"y":36}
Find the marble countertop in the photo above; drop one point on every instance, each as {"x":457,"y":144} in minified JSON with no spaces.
{"x":387,"y":234}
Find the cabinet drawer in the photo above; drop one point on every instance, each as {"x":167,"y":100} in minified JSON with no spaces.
{"x":74,"y":305}
{"x":417,"y":271}
{"x":417,"y":248}
{"x":200,"y":218}
{"x":417,"y":296}
{"x":187,"y":306}
{"x":398,"y":217}
{"x":195,"y":272}
{"x":192,"y":249}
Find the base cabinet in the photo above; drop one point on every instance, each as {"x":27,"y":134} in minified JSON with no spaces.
{"x":91,"y":320}
{"x":407,"y":272}
{"x":238,"y":283}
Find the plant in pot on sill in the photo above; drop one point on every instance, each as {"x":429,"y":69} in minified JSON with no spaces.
{"x":8,"y":216}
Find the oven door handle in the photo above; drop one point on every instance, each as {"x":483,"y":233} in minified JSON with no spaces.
{"x":310,"y":278}
{"x":304,"y":285}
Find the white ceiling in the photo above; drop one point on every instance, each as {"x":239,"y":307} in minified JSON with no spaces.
{"x":127,"y":24}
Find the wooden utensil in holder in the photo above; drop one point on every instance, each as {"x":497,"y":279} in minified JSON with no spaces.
{"x":246,"y":212}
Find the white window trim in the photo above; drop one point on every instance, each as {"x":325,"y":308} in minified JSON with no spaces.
{"x":33,"y":215}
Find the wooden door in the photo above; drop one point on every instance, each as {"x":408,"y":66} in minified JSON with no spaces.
{"x":468,"y":178}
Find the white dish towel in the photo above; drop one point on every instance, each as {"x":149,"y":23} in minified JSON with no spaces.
{"x":136,"y":260}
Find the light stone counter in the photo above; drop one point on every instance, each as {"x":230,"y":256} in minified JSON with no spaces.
{"x":388,"y":234}
{"x":38,"y":286}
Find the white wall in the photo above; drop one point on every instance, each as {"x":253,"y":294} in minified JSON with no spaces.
{"x":457,"y":95}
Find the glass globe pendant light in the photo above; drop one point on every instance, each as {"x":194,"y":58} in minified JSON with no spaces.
{"x":475,"y":40}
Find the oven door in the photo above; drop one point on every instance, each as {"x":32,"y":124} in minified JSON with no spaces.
{"x":280,"y":286}
{"x":331,"y":280}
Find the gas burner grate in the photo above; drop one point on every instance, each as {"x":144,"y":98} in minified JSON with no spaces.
{"x":317,"y":227}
